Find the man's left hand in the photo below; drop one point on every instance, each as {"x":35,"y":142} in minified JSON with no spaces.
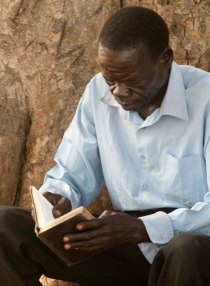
{"x":109,"y":230}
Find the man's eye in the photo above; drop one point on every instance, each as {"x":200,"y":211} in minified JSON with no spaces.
{"x":111,"y":88}
{"x":110,"y":83}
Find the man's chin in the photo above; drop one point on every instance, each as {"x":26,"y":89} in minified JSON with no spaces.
{"x":129,"y":107}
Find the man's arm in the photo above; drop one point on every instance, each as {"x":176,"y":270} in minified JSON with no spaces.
{"x":197,"y":218}
{"x":194,"y":219}
{"x":77,"y":174}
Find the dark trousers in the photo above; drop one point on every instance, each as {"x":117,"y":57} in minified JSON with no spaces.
{"x":23,"y":259}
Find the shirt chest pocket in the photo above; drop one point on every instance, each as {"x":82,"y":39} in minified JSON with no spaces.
{"x":184,"y":179}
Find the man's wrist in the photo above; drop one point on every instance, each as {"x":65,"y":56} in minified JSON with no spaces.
{"x":141,"y":234}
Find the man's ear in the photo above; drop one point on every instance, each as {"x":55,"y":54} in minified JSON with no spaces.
{"x":167,"y":57}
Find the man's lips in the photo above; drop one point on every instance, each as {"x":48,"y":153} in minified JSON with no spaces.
{"x":128,"y":102}
{"x":127,"y":105}
{"x":123,"y":101}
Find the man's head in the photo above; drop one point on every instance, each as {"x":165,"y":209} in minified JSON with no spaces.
{"x":131,"y":25}
{"x":135,"y":57}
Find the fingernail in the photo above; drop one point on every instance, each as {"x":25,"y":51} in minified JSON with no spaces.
{"x":66,"y":239}
{"x":61,"y":201}
{"x":79,"y":227}
{"x":57,"y":213}
{"x":67,"y":246}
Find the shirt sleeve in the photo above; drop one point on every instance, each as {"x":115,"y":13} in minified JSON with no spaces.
{"x":159,"y":227}
{"x":196,"y":218}
{"x":77,"y":174}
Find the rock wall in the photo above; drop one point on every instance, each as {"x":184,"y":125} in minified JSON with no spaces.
{"x":48,"y":53}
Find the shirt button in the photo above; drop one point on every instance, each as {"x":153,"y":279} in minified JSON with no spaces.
{"x":143,"y":157}
{"x":145,"y":186}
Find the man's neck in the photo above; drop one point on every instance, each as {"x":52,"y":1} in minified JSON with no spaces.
{"x":156,"y":103}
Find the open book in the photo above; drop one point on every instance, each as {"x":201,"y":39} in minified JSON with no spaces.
{"x":51,"y":230}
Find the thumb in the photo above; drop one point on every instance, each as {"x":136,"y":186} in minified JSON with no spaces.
{"x":107,"y":213}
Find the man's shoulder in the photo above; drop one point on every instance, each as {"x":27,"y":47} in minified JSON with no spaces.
{"x":194,"y":77}
{"x":97,"y":79}
{"x":95,"y":91}
{"x":97,"y":86}
{"x":196,"y":83}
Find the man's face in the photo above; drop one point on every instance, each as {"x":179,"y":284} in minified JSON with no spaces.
{"x":137,"y":81}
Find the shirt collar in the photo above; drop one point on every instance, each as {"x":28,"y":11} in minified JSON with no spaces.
{"x":174,"y":102}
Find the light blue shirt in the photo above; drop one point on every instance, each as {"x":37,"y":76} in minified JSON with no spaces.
{"x":162,"y":161}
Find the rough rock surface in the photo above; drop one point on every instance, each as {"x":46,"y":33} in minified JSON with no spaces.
{"x":47,"y":55}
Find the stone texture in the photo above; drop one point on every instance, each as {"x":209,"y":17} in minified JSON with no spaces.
{"x":189,"y":24}
{"x":47,"y":55}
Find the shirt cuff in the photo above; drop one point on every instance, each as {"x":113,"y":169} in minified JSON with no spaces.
{"x":159,"y":227}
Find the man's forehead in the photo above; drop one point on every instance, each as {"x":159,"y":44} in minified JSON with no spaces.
{"x":108,"y":57}
{"x":106,"y":52}
{"x":111,"y":58}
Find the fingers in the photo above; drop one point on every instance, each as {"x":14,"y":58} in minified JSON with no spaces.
{"x":94,"y":243}
{"x":107,"y":213}
{"x":52,"y":198}
{"x":61,"y":204}
{"x":87,"y":235}
{"x":92,"y":236}
{"x":33,"y":213}
{"x":62,"y":207}
{"x":88,"y":231}
{"x":89,"y":225}
{"x":94,"y":223}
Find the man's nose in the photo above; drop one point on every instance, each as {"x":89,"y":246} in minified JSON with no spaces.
{"x":120,"y":90}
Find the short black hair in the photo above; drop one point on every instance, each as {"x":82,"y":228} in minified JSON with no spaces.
{"x":129,"y":26}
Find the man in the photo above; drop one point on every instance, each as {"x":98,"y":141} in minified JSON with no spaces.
{"x":143,"y":127}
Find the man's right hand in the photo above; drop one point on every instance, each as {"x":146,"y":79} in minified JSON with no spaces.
{"x":61,"y":204}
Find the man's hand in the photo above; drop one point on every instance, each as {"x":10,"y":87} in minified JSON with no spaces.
{"x":107,"y":231}
{"x":61,"y":204}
